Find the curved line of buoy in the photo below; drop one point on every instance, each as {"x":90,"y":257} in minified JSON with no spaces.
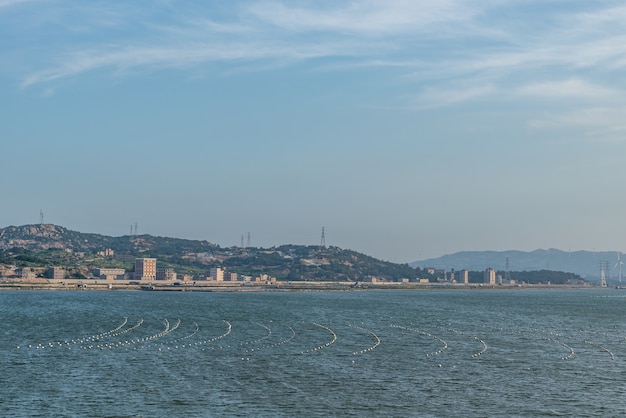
{"x":601,"y":347}
{"x":258,"y":340}
{"x":528,"y":332}
{"x":328,"y":344}
{"x":285,"y":341}
{"x":481,"y":341}
{"x":357,"y":353}
{"x":570,"y":355}
{"x":229,"y":329}
{"x":68,"y":343}
{"x":166,"y":331}
{"x":129,"y":329}
{"x":444,"y":344}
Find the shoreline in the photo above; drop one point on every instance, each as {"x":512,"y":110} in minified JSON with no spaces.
{"x":308,"y":286}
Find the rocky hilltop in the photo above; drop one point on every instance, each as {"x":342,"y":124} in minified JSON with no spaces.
{"x":47,"y":236}
{"x":43,"y":237}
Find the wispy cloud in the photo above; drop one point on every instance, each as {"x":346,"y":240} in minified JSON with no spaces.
{"x":180,"y":56}
{"x":8,"y":3}
{"x":436,"y":98}
{"x":597,"y":123}
{"x":373,"y":17}
{"x":453,"y":42}
{"x":567,"y":89}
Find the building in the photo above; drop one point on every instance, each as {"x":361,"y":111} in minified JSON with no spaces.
{"x":166,"y":274}
{"x":463,"y":277}
{"x":231,"y":277}
{"x":184,"y":277}
{"x":490,"y":276}
{"x":56,"y":273}
{"x":145,"y":269}
{"x":110,"y":273}
{"x":106,"y":253}
{"x":217,"y":274}
{"x":27,"y":273}
{"x":6,"y":271}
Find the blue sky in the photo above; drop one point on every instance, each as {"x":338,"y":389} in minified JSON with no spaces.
{"x":408,"y":129}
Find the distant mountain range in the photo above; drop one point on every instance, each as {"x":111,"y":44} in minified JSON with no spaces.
{"x":46,"y":245}
{"x":584,"y":263}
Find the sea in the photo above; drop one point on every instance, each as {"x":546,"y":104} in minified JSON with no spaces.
{"x":362,"y":353}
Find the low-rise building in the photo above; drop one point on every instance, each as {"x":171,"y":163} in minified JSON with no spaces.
{"x":56,"y":273}
{"x":110,"y":273}
{"x":217,"y":274}
{"x":27,"y":273}
{"x":166,"y":274}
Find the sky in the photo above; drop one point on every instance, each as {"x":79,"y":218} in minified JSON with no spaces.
{"x":407,"y":129}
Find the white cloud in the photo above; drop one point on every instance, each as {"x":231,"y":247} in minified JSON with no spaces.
{"x":425,"y":39}
{"x":365,"y":17}
{"x":435,"y":98}
{"x":566,"y":89}
{"x":182,"y":56}
{"x":8,"y":3}
{"x":598,"y":123}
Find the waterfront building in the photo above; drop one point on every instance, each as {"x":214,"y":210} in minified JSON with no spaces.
{"x":6,"y":271}
{"x":27,"y":273}
{"x":184,"y":277}
{"x":217,"y":274}
{"x":166,"y":274}
{"x":145,"y":269}
{"x":463,"y":276}
{"x":109,"y":273}
{"x":490,"y":276}
{"x":55,"y":273}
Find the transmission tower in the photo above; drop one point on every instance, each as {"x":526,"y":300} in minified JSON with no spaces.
{"x":41,"y":216}
{"x":507,"y":272}
{"x":323,"y":242}
{"x":248,"y":242}
{"x":603,"y":265}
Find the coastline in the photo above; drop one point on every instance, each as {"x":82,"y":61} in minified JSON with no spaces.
{"x":304,"y":286}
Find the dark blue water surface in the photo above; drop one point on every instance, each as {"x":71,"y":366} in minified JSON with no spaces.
{"x":362,"y":353}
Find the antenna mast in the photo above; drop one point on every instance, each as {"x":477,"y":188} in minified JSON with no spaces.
{"x":248,"y":243}
{"x":507,"y":274}
{"x":619,"y":264}
{"x":41,"y":216}
{"x":323,"y":242}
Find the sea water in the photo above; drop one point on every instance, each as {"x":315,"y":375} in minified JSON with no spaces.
{"x":361,"y":353}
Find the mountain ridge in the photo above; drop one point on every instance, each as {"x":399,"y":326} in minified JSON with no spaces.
{"x":49,"y":244}
{"x":584,"y":263}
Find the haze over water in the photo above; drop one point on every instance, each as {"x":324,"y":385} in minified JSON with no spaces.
{"x":365,"y":353}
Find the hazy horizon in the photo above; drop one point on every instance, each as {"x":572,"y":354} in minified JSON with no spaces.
{"x":407,"y":129}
